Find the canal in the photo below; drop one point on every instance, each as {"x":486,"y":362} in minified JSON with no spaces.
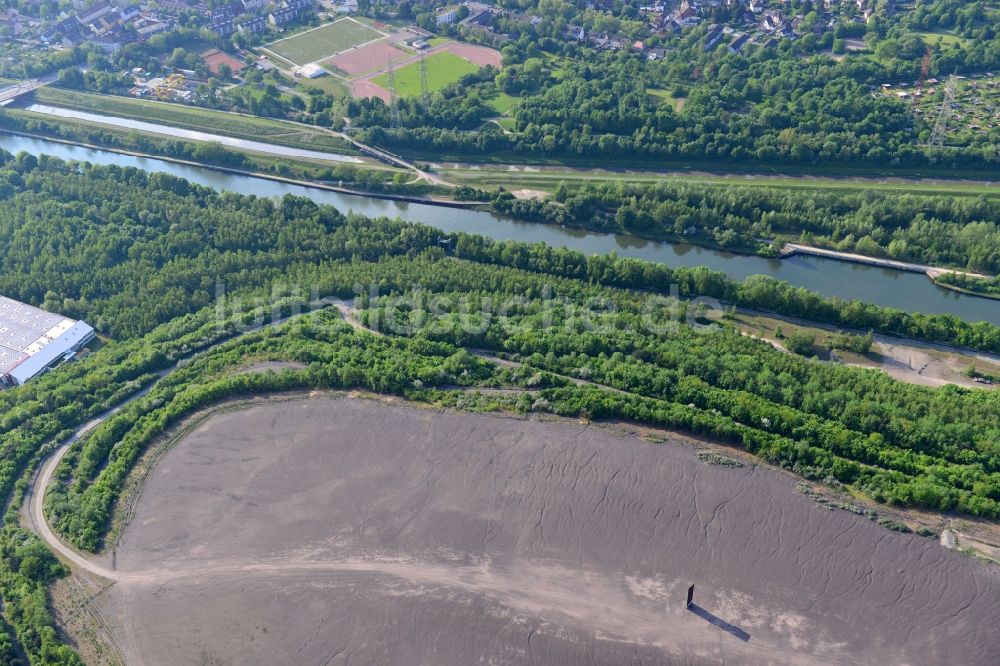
{"x":907,"y":291}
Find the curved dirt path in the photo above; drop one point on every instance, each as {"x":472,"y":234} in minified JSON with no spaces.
{"x":35,"y":495}
{"x":36,"y":504}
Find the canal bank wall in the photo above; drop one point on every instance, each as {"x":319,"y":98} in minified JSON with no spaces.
{"x":932,"y":272}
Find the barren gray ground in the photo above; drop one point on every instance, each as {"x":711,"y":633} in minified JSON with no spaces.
{"x":336,"y":531}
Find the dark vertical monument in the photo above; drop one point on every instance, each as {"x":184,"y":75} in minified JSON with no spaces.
{"x":690,"y":596}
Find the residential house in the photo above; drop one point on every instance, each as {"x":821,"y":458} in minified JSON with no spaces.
{"x":446,"y":16}
{"x":95,"y":13}
{"x":282,"y":17}
{"x":714,"y":35}
{"x":600,"y":39}
{"x":109,"y":43}
{"x":738,"y":42}
{"x":670,"y":27}
{"x":346,"y":6}
{"x":252,"y":25}
{"x":223,"y":28}
{"x":153,"y":28}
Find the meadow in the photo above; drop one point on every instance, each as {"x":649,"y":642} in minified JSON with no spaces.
{"x":443,"y":68}
{"x":322,"y":42}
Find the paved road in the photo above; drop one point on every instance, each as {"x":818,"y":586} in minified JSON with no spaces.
{"x":15,"y":91}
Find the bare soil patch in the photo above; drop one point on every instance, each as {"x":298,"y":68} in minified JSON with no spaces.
{"x":530,"y":194}
{"x":336,"y":530}
{"x":477,"y":55}
{"x":361,"y":88}
{"x":367,"y":58}
{"x":273,"y":366}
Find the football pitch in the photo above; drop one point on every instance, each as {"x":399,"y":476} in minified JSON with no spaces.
{"x":442,"y":68}
{"x":322,"y":42}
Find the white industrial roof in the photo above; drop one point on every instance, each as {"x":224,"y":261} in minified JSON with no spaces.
{"x":77,"y":335}
{"x":31,"y":338}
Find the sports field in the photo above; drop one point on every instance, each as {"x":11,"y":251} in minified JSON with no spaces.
{"x":442,"y":68}
{"x":322,"y":42}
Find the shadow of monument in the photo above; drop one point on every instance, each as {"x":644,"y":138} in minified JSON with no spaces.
{"x":719,"y":622}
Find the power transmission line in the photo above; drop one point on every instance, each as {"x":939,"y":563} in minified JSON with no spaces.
{"x":394,"y":121}
{"x":425,"y":93}
{"x":940,"y":131}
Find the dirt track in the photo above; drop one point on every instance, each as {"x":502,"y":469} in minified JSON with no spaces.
{"x":339,"y":530}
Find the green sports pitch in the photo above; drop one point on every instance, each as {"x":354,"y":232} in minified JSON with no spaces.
{"x":322,"y":42}
{"x":442,"y":68}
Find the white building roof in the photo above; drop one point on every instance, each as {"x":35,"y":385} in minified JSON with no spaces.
{"x":31,"y":339}
{"x":311,"y":71}
{"x":66,"y":344}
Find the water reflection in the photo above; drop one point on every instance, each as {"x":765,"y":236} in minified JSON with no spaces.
{"x":906,"y":291}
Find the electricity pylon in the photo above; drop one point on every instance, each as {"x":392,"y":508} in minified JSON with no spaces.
{"x":940,"y":131}
{"x":394,"y":121}
{"x":425,"y":93}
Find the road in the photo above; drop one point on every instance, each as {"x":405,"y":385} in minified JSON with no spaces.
{"x":35,"y":496}
{"x":8,"y":95}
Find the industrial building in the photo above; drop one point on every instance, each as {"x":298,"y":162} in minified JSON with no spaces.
{"x":33,"y":341}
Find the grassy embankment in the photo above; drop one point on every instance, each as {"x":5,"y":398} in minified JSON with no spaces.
{"x":548,"y":177}
{"x":234,"y":125}
{"x":365,"y":178}
{"x":299,"y":136}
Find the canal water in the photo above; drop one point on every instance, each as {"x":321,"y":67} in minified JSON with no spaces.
{"x":181,"y":133}
{"x":907,"y":291}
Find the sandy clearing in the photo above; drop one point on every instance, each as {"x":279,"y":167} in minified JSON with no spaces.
{"x":335,"y":530}
{"x":273,"y":366}
{"x":930,"y":366}
{"x":911,"y":361}
{"x":530,"y":194}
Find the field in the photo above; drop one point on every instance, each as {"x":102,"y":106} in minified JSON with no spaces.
{"x":503,"y":103}
{"x":193,"y":118}
{"x":398,"y":534}
{"x":322,"y":42}
{"x":661,"y":96}
{"x":369,"y":58}
{"x":947,"y":38}
{"x":443,"y":68}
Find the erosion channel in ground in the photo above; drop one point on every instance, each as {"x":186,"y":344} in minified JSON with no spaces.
{"x":340,"y":530}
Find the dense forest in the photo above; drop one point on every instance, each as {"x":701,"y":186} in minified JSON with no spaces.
{"x":142,"y":256}
{"x":130,"y":261}
{"x":936,"y":230}
{"x":790,"y":104}
{"x":948,"y":231}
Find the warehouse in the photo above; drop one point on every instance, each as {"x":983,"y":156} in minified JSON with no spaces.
{"x":33,"y":341}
